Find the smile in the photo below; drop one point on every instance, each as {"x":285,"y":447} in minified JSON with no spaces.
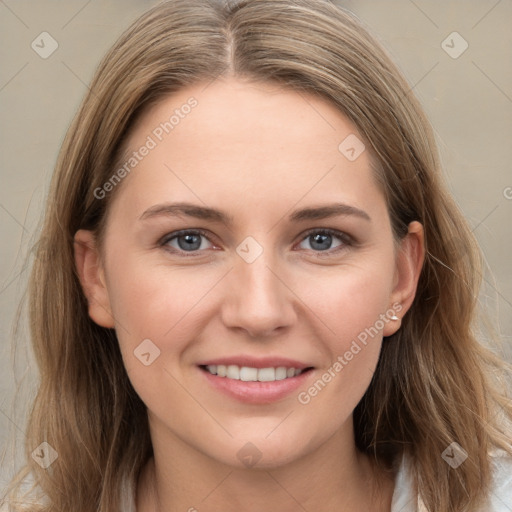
{"x":250,"y":374}
{"x":254,"y":381}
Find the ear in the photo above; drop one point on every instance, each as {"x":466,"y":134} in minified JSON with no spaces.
{"x":409,"y":262}
{"x":92,"y":278}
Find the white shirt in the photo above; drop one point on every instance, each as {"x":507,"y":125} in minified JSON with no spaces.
{"x":406,"y":500}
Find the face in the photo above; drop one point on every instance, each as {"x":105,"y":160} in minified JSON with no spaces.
{"x":248,"y":239}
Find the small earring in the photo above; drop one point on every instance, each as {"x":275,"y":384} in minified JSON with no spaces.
{"x":394,"y":317}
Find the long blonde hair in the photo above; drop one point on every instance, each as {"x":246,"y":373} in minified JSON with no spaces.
{"x":434,"y":383}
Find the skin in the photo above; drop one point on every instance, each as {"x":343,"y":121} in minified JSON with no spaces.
{"x":257,"y":152}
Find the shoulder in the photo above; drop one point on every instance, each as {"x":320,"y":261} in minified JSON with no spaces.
{"x":500,"y":494}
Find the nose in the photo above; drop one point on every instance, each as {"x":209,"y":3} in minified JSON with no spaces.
{"x":258,"y":299}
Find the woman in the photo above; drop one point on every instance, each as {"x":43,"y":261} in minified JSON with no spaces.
{"x":249,"y":292}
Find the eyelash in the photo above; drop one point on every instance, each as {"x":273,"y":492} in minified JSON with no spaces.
{"x":347,"y":241}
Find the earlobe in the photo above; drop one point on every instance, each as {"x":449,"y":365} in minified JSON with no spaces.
{"x":92,"y":278}
{"x":409,"y":263}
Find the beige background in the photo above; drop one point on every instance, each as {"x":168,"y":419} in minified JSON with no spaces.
{"x":468,"y":99}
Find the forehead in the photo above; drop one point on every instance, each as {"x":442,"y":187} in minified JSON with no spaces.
{"x":230,"y":138}
{"x":247,"y":113}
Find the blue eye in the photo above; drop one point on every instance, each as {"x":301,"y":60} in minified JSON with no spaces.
{"x":187,"y":240}
{"x":320,"y":240}
{"x":191,"y":241}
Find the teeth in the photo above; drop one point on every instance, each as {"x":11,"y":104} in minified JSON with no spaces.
{"x":233,"y":372}
{"x":266,"y":374}
{"x":248,"y":374}
{"x":280,"y":373}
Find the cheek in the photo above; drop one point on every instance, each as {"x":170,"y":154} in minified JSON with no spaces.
{"x":154,"y":300}
{"x":351,"y":300}
{"x":168,"y":306}
{"x":353,"y":307}
{"x":356,"y":311}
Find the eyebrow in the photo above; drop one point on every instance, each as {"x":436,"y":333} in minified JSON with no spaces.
{"x":212,"y":214}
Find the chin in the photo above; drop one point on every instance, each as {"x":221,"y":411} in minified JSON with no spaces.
{"x":260,"y":453}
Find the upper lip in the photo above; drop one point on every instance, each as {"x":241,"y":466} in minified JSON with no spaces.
{"x":259,"y":362}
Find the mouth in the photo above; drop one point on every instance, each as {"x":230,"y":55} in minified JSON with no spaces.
{"x":252,"y":374}
{"x":256,"y":381}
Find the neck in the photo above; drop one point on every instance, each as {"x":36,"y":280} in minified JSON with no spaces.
{"x":336,"y":476}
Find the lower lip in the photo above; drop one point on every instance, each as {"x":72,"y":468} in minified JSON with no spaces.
{"x":256,"y":392}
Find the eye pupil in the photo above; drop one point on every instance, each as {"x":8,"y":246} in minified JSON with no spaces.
{"x":321,"y":238}
{"x":193,"y":242}
{"x":319,"y":241}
